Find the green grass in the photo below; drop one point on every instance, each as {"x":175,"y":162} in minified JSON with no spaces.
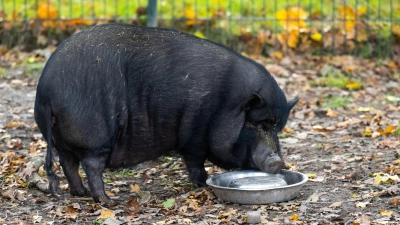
{"x":331,"y":78}
{"x":336,"y":102}
{"x":397,"y":130}
{"x":3,"y":73}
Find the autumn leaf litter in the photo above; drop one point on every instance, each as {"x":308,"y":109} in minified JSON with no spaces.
{"x":344,"y":135}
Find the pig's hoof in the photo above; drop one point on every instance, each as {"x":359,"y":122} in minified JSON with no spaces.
{"x":80,"y":193}
{"x":198,"y":184}
{"x":107,"y":202}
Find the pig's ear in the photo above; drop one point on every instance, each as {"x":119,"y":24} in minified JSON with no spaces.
{"x":255,"y":101}
{"x":292,"y":102}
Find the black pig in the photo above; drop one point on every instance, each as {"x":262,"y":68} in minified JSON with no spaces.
{"x":117,"y":95}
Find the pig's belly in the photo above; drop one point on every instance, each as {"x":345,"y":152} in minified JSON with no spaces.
{"x":134,"y":150}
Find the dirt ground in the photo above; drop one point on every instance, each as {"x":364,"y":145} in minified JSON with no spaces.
{"x":347,"y":149}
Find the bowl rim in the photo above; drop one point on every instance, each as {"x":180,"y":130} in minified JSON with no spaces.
{"x":210,"y":183}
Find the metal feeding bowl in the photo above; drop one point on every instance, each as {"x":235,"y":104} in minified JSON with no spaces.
{"x":256,"y":187}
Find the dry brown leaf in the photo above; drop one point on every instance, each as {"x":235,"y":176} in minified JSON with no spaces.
{"x":70,"y":209}
{"x":336,"y":204}
{"x":395,"y":201}
{"x":365,"y":220}
{"x":133,"y":206}
{"x":134,"y":188}
{"x":109,"y":193}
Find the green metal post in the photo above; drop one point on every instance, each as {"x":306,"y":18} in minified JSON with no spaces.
{"x":152,"y":13}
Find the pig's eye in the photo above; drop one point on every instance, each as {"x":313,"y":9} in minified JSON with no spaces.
{"x":270,"y":122}
{"x":272,"y":125}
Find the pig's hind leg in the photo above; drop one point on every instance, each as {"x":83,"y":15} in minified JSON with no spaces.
{"x":70,"y":164}
{"x":93,"y":163}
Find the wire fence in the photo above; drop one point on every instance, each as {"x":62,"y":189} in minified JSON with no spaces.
{"x":366,"y":28}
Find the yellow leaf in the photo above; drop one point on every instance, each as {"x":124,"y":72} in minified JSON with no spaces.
{"x":190,"y":15}
{"x":396,"y":30}
{"x":31,"y":59}
{"x":385,"y":213}
{"x":348,"y":15}
{"x":199,"y":34}
{"x":367,"y":132}
{"x":352,"y":85}
{"x":46,"y":11}
{"x":105,"y":214}
{"x":311,"y":175}
{"x":277,"y":54}
{"x":364,"y":109}
{"x":378,"y":179}
{"x":293,"y":38}
{"x":316,"y":36}
{"x":392,"y":65}
{"x":292,"y":19}
{"x":331,"y":113}
{"x":294,"y":217}
{"x":389,"y":129}
{"x":361,"y":11}
{"x":388,"y":179}
{"x":14,"y":124}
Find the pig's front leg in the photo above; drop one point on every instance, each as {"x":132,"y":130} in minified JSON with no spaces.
{"x":94,"y":163}
{"x":194,"y":160}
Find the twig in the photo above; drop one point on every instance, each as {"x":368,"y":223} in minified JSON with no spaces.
{"x":185,"y":168}
{"x":351,"y":200}
{"x":81,"y":199}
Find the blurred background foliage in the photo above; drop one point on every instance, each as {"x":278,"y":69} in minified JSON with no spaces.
{"x":365,"y":28}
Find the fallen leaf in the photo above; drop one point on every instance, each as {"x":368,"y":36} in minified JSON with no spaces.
{"x":168,"y":203}
{"x":336,"y":204}
{"x":106,"y":213}
{"x":15,"y":124}
{"x":361,"y":204}
{"x":378,"y":179}
{"x":367,"y":132}
{"x":311,"y":175}
{"x":292,"y":19}
{"x":352,"y":85}
{"x":331,"y":113}
{"x":348,"y":15}
{"x":314,"y":197}
{"x":290,"y":140}
{"x":135,"y":188}
{"x":70,"y":209}
{"x":294,"y":217}
{"x":395,"y":201}
{"x":385,"y":213}
{"x":365,"y":220}
{"x":133,"y":206}
{"x":391,"y":98}
{"x":316,"y":36}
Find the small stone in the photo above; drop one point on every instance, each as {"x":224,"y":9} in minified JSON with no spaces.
{"x":253,"y":217}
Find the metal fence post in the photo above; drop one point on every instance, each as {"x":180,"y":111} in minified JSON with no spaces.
{"x":152,"y":13}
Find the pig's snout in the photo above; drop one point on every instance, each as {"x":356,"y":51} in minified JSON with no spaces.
{"x":269,"y":163}
{"x":274,"y":165}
